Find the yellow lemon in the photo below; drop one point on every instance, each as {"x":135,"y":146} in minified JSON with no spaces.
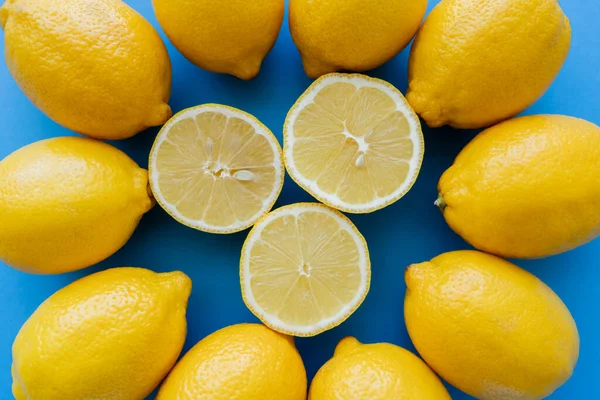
{"x":477,"y":62}
{"x":113,"y":335}
{"x":353,"y":143}
{"x":304,"y":269}
{"x":239,"y":362}
{"x":355,"y":35}
{"x":231,"y":37}
{"x":216,"y":168}
{"x":67,"y":203}
{"x":488,"y":327}
{"x":380,"y":371}
{"x":528,"y":187}
{"x":96,"y":67}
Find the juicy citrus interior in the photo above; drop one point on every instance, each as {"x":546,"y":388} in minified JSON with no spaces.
{"x":304,"y":269}
{"x":216,"y":168}
{"x":353,"y":142}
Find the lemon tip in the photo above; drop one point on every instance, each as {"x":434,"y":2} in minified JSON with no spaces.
{"x":346,"y":345}
{"x":440,"y":202}
{"x":177,"y":281}
{"x":413,"y":274}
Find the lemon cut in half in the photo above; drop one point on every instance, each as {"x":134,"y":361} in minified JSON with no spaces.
{"x":304,"y":269}
{"x":216,"y":168}
{"x":353,"y":142}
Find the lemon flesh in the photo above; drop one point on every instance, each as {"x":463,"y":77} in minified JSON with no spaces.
{"x":353,"y":143}
{"x":216,"y":168}
{"x":304,"y":269}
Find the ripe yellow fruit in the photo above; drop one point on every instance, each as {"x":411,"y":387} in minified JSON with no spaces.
{"x":380,"y":371}
{"x":231,"y":37}
{"x":304,"y":269}
{"x":353,"y":142}
{"x":67,"y":203}
{"x":216,"y":168}
{"x":528,"y":187}
{"x":239,"y":362}
{"x":355,"y":35}
{"x":112,"y":335}
{"x":96,"y":67}
{"x":477,"y":62}
{"x":488,"y":327}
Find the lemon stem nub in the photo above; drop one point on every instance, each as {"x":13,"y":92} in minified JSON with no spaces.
{"x":440,"y":202}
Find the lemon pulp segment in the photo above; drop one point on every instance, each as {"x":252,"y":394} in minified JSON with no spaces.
{"x":216,"y":168}
{"x":353,"y":143}
{"x":304,"y":269}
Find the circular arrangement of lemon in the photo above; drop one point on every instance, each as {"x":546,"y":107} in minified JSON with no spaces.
{"x":353,"y":143}
{"x":304,"y":269}
{"x":488,"y":327}
{"x":527,"y":187}
{"x":216,"y":168}
{"x":112,"y":335}
{"x":239,"y":362}
{"x":379,"y":371}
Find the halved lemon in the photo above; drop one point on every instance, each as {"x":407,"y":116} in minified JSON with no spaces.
{"x":353,"y":142}
{"x":304,"y":269}
{"x":216,"y":168}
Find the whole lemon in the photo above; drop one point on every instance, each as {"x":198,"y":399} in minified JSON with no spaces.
{"x":231,"y":37}
{"x":380,"y":371}
{"x":112,"y":335}
{"x":528,"y":187}
{"x":94,"y":66}
{"x":488,"y":327}
{"x":355,"y":35}
{"x":239,"y":362}
{"x":477,"y":62}
{"x":68,"y":203}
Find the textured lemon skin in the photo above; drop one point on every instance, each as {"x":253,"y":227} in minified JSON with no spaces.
{"x":477,"y":62}
{"x":94,"y":66}
{"x":379,"y":371}
{"x":67,"y":203}
{"x":231,"y":37}
{"x":239,"y":362}
{"x":112,"y":335}
{"x":488,"y":327}
{"x":526,"y":188}
{"x":355,"y":35}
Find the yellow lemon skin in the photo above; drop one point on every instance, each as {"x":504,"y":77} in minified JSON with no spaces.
{"x":526,"y":188}
{"x":112,"y":335}
{"x":379,"y":371}
{"x":94,"y":66}
{"x":477,"y":62}
{"x":239,"y":362}
{"x":231,"y":37}
{"x":68,"y":203}
{"x":355,"y":35}
{"x":488,"y":327}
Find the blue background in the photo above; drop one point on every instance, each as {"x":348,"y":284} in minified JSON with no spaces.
{"x":411,"y":230}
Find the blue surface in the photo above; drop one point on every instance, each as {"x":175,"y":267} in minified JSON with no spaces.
{"x":409,"y":231}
